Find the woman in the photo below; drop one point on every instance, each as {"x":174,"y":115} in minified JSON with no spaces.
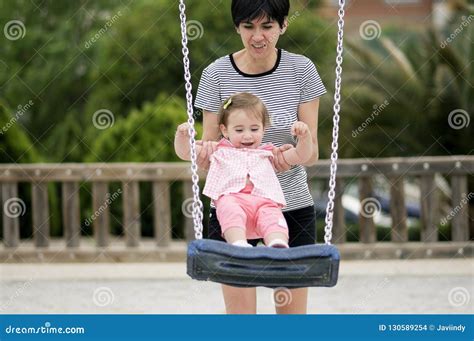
{"x":290,"y":87}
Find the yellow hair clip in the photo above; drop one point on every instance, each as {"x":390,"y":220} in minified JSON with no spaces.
{"x":226,"y":104}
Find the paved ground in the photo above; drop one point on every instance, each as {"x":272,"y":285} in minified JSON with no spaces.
{"x":394,"y":286}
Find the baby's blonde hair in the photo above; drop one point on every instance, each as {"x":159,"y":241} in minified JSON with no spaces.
{"x":245,"y":101}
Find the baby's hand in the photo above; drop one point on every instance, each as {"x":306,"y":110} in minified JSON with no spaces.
{"x":299,"y":129}
{"x":183,"y":129}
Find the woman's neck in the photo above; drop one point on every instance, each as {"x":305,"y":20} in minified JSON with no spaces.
{"x":247,"y":64}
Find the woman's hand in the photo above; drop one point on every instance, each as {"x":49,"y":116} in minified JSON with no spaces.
{"x":208,"y":147}
{"x":279,"y":162}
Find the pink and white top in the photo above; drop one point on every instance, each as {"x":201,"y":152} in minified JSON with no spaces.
{"x":229,"y":169}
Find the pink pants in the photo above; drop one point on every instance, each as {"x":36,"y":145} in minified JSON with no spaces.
{"x":257,"y":215}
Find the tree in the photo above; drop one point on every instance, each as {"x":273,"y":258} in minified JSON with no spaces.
{"x":15,"y":145}
{"x":78,"y":58}
{"x":145,"y":135}
{"x":399,"y":94}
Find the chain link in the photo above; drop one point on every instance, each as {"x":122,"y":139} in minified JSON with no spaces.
{"x":335,"y":131}
{"x":197,"y":203}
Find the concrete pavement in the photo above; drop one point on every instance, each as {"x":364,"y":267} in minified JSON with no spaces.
{"x":423,"y":286}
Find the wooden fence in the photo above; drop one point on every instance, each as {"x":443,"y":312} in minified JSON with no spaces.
{"x":161,"y":175}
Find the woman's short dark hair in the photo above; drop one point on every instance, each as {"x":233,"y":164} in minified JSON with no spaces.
{"x":248,"y":10}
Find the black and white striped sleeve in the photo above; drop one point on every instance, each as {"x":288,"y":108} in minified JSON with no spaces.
{"x":312,"y":87}
{"x":208,"y":95}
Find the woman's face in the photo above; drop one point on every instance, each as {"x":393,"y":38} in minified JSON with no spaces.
{"x":260,"y":36}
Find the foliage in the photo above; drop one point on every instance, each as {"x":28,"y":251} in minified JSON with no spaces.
{"x":145,"y":135}
{"x":15,"y":144}
{"x":47,"y":65}
{"x":401,"y":90}
{"x":81,"y":57}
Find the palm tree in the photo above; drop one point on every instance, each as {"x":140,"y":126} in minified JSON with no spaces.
{"x":400,"y":90}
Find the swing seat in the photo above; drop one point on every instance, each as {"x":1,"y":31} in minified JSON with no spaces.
{"x":302,"y":266}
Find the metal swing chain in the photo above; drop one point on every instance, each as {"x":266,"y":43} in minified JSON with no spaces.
{"x":335,"y":131}
{"x":197,"y":203}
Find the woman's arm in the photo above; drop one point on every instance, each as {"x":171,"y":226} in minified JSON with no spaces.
{"x":211,"y":132}
{"x":181,"y":142}
{"x":308,"y":113}
{"x":304,"y":149}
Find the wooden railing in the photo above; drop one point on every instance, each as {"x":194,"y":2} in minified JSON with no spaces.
{"x":161,"y":175}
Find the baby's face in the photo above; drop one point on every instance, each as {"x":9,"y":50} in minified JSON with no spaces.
{"x":243,"y":130}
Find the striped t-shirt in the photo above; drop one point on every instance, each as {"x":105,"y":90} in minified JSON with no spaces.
{"x":293,"y":80}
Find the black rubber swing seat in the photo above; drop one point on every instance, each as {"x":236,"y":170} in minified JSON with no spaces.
{"x":296,"y":267}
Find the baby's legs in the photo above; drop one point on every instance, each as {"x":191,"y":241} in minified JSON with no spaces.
{"x":272,"y":225}
{"x":276,"y":239}
{"x":235,"y":235}
{"x":233,"y":220}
